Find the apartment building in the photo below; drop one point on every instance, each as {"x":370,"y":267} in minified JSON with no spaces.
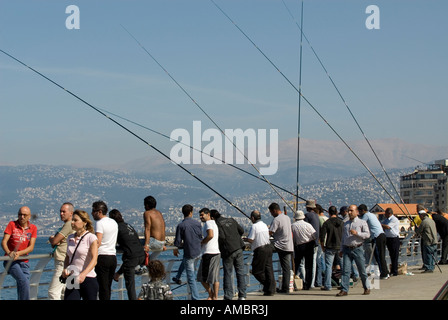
{"x":427,"y":186}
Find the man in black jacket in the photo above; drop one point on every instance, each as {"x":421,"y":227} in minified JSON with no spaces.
{"x":133,"y":253}
{"x":330,"y":240}
{"x":231,"y":246}
{"x":442,"y":230}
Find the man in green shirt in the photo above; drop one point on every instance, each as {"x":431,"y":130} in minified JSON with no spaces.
{"x":59,"y":243}
{"x":428,"y":232}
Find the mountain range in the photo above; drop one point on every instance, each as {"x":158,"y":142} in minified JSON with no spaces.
{"x":320,"y":160}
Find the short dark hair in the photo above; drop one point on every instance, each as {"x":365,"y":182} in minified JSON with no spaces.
{"x":274,"y":207}
{"x":187,"y":209}
{"x":332,"y":211}
{"x":215,"y":214}
{"x":100,"y":205}
{"x":204,"y":210}
{"x":362,"y":207}
{"x":116,"y":215}
{"x":150,"y":202}
{"x":389,"y":210}
{"x":156,"y":269}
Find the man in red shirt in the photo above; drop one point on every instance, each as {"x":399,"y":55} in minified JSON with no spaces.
{"x":18,"y":241}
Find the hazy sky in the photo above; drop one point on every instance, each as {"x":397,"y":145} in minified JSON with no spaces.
{"x":394,"y":78}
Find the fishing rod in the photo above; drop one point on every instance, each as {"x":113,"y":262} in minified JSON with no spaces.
{"x":126,"y":129}
{"x":299,"y":109}
{"x":198,"y":150}
{"x":205,"y":113}
{"x":302,"y":34}
{"x":304,"y":98}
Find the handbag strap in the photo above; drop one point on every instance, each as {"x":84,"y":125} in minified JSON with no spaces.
{"x":74,"y":252}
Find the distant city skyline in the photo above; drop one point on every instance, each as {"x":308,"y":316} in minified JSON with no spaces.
{"x":392,"y":78}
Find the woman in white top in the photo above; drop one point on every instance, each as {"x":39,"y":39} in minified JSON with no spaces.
{"x":82,"y":253}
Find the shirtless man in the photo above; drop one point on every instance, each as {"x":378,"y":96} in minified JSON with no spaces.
{"x":154,"y":228}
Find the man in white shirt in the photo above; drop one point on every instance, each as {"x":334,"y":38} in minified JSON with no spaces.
{"x":208,"y":273}
{"x":391,"y":227}
{"x":262,"y":268}
{"x":106,"y":230}
{"x":304,"y":236}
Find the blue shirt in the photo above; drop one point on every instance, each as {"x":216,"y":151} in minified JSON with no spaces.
{"x":189,"y":237}
{"x":374,"y":224}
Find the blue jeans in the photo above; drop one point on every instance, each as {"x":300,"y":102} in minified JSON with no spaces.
{"x":191,"y":276}
{"x":329,"y":258}
{"x":356,"y":255}
{"x":236,"y":260}
{"x":320,"y":266}
{"x":428,"y":255}
{"x":180,"y":270}
{"x":20,"y":271}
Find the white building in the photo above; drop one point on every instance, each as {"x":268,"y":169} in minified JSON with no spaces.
{"x":427,"y":186}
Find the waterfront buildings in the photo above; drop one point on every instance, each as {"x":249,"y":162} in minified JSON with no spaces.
{"x":427,"y":186}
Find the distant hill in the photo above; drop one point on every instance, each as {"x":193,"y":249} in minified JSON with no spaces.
{"x":320,"y":160}
{"x":45,"y":188}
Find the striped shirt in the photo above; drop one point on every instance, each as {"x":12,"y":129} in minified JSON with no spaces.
{"x":303,"y":232}
{"x":360,"y":226}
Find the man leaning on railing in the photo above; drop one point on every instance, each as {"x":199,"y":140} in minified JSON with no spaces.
{"x":18,"y":241}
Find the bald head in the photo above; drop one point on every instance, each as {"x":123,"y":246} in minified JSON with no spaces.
{"x":24,"y":215}
{"x":353,"y":211}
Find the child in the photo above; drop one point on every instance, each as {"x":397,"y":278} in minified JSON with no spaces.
{"x":156,"y":289}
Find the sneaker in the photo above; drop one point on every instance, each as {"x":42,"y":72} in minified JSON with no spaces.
{"x":176,"y":281}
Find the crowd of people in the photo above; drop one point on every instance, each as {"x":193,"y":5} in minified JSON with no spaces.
{"x":324,"y":250}
{"x":85,"y":252}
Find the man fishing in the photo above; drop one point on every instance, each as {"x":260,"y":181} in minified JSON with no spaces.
{"x":154,"y":228}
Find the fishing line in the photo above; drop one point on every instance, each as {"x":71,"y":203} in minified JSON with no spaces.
{"x":195,"y":149}
{"x":304,"y":98}
{"x":302,"y":34}
{"x":126,"y":129}
{"x":205,"y":113}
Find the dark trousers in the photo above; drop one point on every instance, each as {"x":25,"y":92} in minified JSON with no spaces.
{"x":305,"y":250}
{"x":88,"y":290}
{"x":128,"y":271}
{"x":393,"y":246}
{"x":285,"y":263}
{"x":262,"y":268}
{"x":105,"y":270}
{"x":380,"y":254}
{"x":443,"y":257}
{"x":234,"y":261}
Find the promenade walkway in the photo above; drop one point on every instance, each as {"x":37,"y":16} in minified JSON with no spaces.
{"x":419,"y":286}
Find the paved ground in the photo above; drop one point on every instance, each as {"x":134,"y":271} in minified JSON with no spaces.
{"x":419,"y":286}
